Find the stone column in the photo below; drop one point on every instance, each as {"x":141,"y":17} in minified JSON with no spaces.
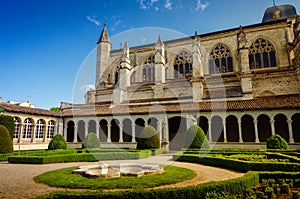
{"x":108,"y":132}
{"x":240,"y":131}
{"x":165,"y":135}
{"x":290,"y":131}
{"x":256,"y":131}
{"x":121,"y":132}
{"x":65,"y":130}
{"x":224,"y":130}
{"x":159,"y":130}
{"x":272,"y":126}
{"x":33,"y":134}
{"x":98,"y":129}
{"x":209,"y":131}
{"x":20,"y":134}
{"x":75,"y":133}
{"x":133,"y":132}
{"x":86,"y":129}
{"x":45,"y":134}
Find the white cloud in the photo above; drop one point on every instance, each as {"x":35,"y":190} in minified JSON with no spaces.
{"x":152,"y":2}
{"x":142,"y":5}
{"x":201,"y":6}
{"x":168,"y":5}
{"x":93,"y":20}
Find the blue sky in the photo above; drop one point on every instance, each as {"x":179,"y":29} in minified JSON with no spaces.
{"x":43,"y":43}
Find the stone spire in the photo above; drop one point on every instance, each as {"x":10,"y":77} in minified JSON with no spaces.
{"x":160,"y":61}
{"x":197,"y":64}
{"x":104,"y":35}
{"x":241,"y":38}
{"x":125,"y":51}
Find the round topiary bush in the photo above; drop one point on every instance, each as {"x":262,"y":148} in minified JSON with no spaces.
{"x":91,"y":141}
{"x":57,"y":142}
{"x":6,"y":144}
{"x":9,"y":123}
{"x":276,"y":142}
{"x":196,"y":139}
{"x":148,"y":139}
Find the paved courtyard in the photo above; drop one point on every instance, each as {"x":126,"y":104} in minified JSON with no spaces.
{"x":16,"y":180}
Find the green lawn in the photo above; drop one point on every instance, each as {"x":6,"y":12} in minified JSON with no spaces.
{"x":65,"y":178}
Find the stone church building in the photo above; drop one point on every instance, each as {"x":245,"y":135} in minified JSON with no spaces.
{"x":241,"y":85}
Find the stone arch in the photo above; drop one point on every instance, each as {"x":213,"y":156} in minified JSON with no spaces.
{"x":28,"y":128}
{"x":177,"y":131}
{"x":103,"y":131}
{"x":51,"y":129}
{"x":115,"y":130}
{"x":203,"y":123}
{"x":183,"y":64}
{"x":248,"y":129}
{"x":127,"y":130}
{"x":232,"y":129}
{"x":92,"y":126}
{"x":81,"y":131}
{"x":281,"y":126}
{"x":217,"y":131}
{"x":296,"y":127}
{"x":220,"y":59}
{"x":40,"y":128}
{"x":263,"y":127}
{"x":70,"y":131}
{"x":152,"y":121}
{"x":18,"y":123}
{"x":139,"y":126}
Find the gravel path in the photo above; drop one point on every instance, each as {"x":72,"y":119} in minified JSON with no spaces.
{"x":16,"y":179}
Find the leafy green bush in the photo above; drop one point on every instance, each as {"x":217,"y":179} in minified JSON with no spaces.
{"x":6,"y":144}
{"x":91,"y":141}
{"x":148,"y":139}
{"x":57,"y":142}
{"x":276,"y":142}
{"x":9,"y":123}
{"x":195,"y":138}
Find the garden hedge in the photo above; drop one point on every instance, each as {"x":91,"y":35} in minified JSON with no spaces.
{"x":233,"y":186}
{"x":148,"y":139}
{"x":243,"y":166}
{"x":91,"y":141}
{"x":195,"y":138}
{"x":9,"y":123}
{"x":79,"y":157}
{"x":6,"y":143}
{"x":57,"y":142}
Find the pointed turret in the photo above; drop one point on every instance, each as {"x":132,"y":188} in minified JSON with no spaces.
{"x":126,"y":50}
{"x":104,"y":37}
{"x":197,"y":64}
{"x":160,"y":61}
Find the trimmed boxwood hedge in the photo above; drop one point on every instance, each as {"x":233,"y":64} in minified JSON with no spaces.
{"x":238,"y":164}
{"x":79,"y":157}
{"x":233,"y":186}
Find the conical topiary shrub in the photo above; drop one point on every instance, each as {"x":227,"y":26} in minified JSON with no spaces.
{"x":276,"y":142}
{"x":57,"y":142}
{"x":148,"y":139}
{"x":6,"y":143}
{"x":9,"y":123}
{"x":196,"y":139}
{"x":91,"y":141}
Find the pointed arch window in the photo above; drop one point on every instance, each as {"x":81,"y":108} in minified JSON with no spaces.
{"x":40,"y":129}
{"x":17,"y":127}
{"x":27,"y":128}
{"x":116,"y":76}
{"x":149,"y":70}
{"x":220,"y":60}
{"x":262,"y":54}
{"x":51,"y":128}
{"x":183,"y":66}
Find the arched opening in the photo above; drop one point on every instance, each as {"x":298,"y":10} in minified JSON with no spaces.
{"x":103,"y":130}
{"x":220,"y":60}
{"x":70,"y":131}
{"x":115,"y":130}
{"x":81,"y":131}
{"x":17,"y":121}
{"x":281,"y":126}
{"x":264,"y":127}
{"x":183,"y":65}
{"x":217,"y":131}
{"x":248,"y":129}
{"x":51,"y":129}
{"x":232,"y":129}
{"x":139,"y":126}
{"x":92,"y":126}
{"x":40,"y":129}
{"x":127,"y":130}
{"x":27,"y":128}
{"x":203,"y":123}
{"x":177,"y":131}
{"x":296,"y":127}
{"x":153,"y":122}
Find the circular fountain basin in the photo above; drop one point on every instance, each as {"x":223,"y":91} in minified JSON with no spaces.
{"x":117,"y":170}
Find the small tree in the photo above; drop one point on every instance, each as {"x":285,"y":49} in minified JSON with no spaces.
{"x":56,"y":109}
{"x":196,"y":139}
{"x":6,"y":144}
{"x":9,"y":123}
{"x":57,"y":142}
{"x":148,"y":139}
{"x":91,"y":141}
{"x":276,"y":142}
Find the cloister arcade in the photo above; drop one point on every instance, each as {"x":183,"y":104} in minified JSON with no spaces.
{"x":247,"y":127}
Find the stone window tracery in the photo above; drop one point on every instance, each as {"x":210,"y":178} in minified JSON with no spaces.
{"x":262,"y":54}
{"x":183,"y":66}
{"x":17,"y":127}
{"x":149,"y":69}
{"x":220,"y":60}
{"x":51,"y":128}
{"x":27,"y":128}
{"x":40,"y":128}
